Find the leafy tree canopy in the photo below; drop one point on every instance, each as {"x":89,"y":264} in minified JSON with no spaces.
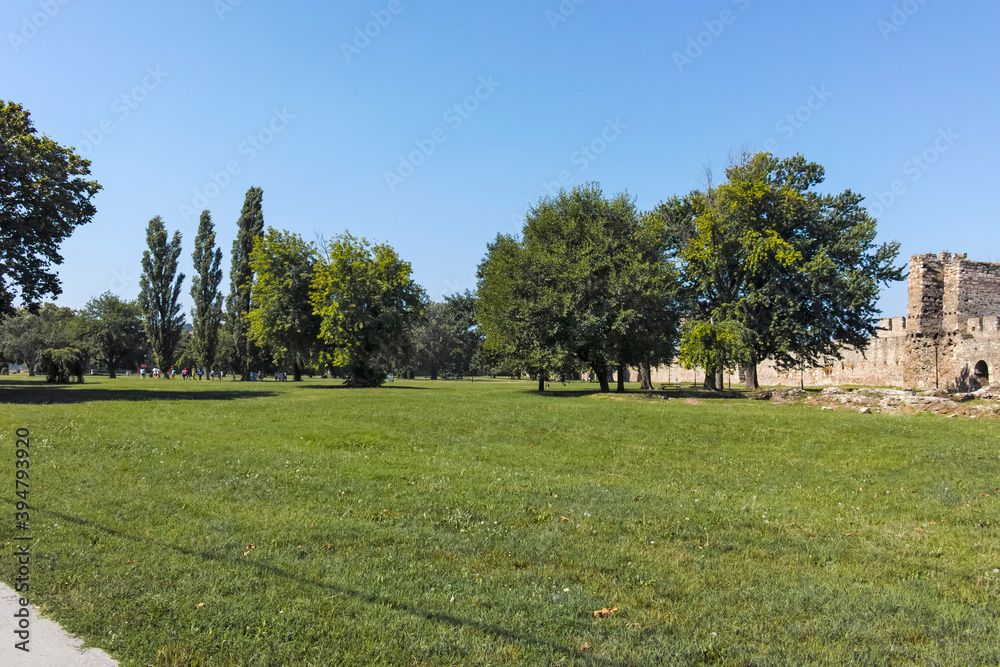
{"x":368,"y":304}
{"x":799,"y":270}
{"x":116,"y":329}
{"x":44,"y":195}
{"x":282,"y":317}
{"x":24,"y":335}
{"x":590,"y":280}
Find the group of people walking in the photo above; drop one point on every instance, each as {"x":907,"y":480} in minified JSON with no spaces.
{"x":156,"y":373}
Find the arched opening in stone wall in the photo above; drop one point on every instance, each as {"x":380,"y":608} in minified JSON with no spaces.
{"x":982,"y":372}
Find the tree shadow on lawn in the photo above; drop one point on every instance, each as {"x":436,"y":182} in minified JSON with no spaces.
{"x":62,"y":394}
{"x":344,"y":386}
{"x":636,"y":393}
{"x":496,"y":631}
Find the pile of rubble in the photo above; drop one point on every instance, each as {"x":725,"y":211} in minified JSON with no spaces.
{"x":973,"y":404}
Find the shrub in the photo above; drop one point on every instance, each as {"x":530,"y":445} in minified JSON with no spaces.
{"x":61,"y":364}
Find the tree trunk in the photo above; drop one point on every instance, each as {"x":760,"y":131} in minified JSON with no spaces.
{"x":296,"y":372}
{"x":750,"y":372}
{"x":601,"y":371}
{"x":645,"y":376}
{"x":541,"y":381}
{"x":434,"y":373}
{"x":709,"y":382}
{"x":621,"y":379}
{"x":720,"y":380}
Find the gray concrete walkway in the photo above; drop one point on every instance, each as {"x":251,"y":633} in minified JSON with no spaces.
{"x":49,"y":645}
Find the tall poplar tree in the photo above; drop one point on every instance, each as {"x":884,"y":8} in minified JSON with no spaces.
{"x":238,"y":305}
{"x":207,"y":311}
{"x":159,"y":293}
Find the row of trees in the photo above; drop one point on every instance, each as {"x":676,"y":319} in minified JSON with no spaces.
{"x":760,"y":267}
{"x":345,"y":305}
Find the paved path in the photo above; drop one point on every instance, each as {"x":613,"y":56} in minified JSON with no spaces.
{"x":49,"y":645}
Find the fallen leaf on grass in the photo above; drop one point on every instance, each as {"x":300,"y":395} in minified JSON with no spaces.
{"x":919,"y":528}
{"x":328,"y":546}
{"x":600,"y":613}
{"x":564,"y":518}
{"x":201,"y":604}
{"x":130,"y":561}
{"x":848,"y":534}
{"x":584,"y":646}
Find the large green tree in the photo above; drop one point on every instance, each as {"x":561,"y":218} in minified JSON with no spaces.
{"x":590,"y":279}
{"x":447,"y":339}
{"x":25,"y":334}
{"x":799,"y":270}
{"x":519,"y":315}
{"x":116,"y":329}
{"x":282,"y":317}
{"x":44,"y":195}
{"x":207,"y":311}
{"x":436,"y":346}
{"x":239,"y":303}
{"x":461,"y":308}
{"x":714,"y":347}
{"x":368,"y":304}
{"x":159,"y":293}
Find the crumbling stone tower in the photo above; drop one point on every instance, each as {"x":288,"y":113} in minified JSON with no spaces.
{"x":953,"y":321}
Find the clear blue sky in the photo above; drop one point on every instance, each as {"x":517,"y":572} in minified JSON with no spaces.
{"x":162,"y":96}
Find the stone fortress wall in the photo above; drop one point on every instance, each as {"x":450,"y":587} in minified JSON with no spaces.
{"x":949,"y":337}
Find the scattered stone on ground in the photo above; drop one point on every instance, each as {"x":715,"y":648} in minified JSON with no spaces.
{"x":868,"y":399}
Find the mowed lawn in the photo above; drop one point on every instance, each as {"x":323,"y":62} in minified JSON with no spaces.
{"x":479,"y":523}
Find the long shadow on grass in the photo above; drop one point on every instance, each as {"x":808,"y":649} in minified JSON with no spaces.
{"x":670,"y":393}
{"x":438,"y":617}
{"x":344,"y":386}
{"x":56,"y":394}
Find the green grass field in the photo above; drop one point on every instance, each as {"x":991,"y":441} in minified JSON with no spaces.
{"x":458,"y":523}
